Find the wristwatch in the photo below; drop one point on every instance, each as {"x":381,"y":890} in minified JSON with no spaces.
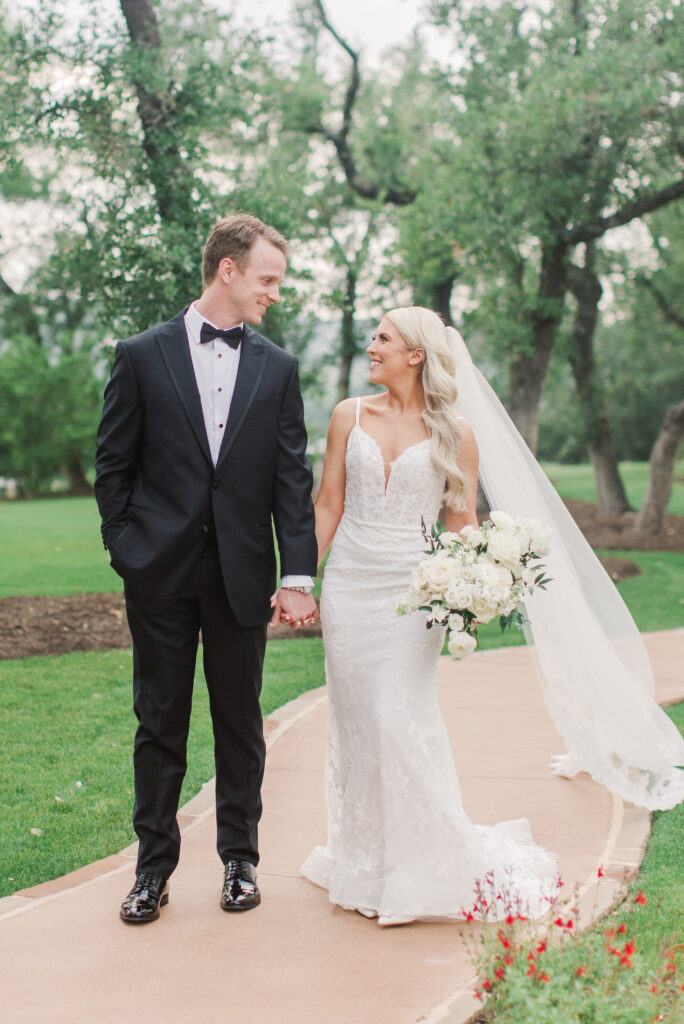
{"x":300,"y":590}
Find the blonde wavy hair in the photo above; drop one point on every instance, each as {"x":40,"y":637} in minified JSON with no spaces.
{"x":421,"y":328}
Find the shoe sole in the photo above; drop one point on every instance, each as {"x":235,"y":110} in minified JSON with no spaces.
{"x":146,"y":920}
{"x":240,"y":910}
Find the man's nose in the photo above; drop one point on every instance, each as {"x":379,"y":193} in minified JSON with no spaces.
{"x":274,"y":293}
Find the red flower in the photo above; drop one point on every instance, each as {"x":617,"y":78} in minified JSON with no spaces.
{"x":532,"y":969}
{"x":670,"y":967}
{"x":570,"y":923}
{"x":630,"y":948}
{"x":541,"y":947}
{"x":487,"y":985}
{"x":470,"y":916}
{"x":499,"y":972}
{"x":581,"y":970}
{"x":478,"y":995}
{"x":530,"y":955}
{"x":505,"y":942}
{"x":510,"y":919}
{"x":544,"y":976}
{"x":600,"y":872}
{"x":654,"y":988}
{"x":625,"y":961}
{"x":641,"y":899}
{"x":508,"y":960}
{"x":559,"y":922}
{"x":622,"y":929}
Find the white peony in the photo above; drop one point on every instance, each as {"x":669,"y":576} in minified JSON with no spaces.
{"x":461,"y":644}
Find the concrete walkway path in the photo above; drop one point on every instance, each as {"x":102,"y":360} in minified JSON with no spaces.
{"x":65,"y":958}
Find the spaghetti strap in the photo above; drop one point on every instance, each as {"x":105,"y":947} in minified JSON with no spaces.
{"x":358,"y":410}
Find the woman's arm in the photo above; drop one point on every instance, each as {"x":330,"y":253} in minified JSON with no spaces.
{"x":468,"y":459}
{"x":329,"y":504}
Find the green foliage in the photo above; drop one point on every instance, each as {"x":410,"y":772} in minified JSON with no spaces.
{"x":625,"y":970}
{"x":49,"y":405}
{"x":66,"y":730}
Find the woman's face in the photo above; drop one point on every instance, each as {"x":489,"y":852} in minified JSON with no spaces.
{"x":390,"y":359}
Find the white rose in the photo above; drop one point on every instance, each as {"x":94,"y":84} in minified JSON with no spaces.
{"x":473,"y":535}
{"x":447,"y":538}
{"x":436,"y":572}
{"x":456,"y":622}
{"x":484,"y":607}
{"x":503,"y":547}
{"x":461,"y":644}
{"x":458,"y":595}
{"x":503,"y":520}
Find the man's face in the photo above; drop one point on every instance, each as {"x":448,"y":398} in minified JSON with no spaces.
{"x":257,"y":286}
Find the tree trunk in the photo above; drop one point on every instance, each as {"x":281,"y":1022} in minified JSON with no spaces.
{"x":170,"y":177}
{"x":348,"y":347}
{"x":651,"y":517}
{"x":441,"y":300}
{"x":78,"y":481}
{"x":527,"y":372}
{"x":610,"y":493}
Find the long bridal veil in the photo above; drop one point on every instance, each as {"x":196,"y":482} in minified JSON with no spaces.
{"x":592,"y":663}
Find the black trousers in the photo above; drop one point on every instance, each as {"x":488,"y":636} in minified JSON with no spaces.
{"x":164,"y":656}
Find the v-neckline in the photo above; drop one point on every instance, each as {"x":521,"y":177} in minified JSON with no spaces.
{"x":393,"y":462}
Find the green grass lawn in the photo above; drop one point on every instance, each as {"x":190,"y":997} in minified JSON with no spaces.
{"x":577,"y":482}
{"x":66,"y":732}
{"x":53,"y":546}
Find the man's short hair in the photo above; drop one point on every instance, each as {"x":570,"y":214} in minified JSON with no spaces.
{"x":234,"y":236}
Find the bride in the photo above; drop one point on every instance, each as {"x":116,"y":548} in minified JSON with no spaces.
{"x":400,"y":845}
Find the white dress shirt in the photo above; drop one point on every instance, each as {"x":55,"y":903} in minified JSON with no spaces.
{"x":216,"y":366}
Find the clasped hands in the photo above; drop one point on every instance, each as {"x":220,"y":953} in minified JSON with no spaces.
{"x":294,"y":608}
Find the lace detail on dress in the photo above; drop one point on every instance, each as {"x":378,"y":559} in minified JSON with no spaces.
{"x":400,"y":844}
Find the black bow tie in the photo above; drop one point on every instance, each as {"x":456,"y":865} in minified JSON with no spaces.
{"x":232,"y":337}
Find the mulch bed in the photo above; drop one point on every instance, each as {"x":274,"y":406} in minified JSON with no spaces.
{"x":97,"y":622}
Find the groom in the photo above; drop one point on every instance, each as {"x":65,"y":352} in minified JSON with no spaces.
{"x":201,"y":447}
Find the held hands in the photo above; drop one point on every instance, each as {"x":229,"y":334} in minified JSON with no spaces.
{"x":294,"y":608}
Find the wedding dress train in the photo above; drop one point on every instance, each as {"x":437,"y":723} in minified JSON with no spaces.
{"x":400,"y":844}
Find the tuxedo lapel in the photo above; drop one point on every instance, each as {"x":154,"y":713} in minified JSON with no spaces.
{"x":172,"y":339}
{"x":250,"y":369}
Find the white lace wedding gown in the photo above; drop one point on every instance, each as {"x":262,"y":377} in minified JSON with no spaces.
{"x":400,"y":845}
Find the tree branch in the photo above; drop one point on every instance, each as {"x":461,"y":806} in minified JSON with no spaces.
{"x":670,"y":314}
{"x":340,"y":139}
{"x":633,"y":209}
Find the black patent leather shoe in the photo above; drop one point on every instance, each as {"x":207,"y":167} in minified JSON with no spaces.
{"x":240,"y":890}
{"x":145,"y":899}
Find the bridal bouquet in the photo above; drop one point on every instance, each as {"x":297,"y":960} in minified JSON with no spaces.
{"x":472,"y":576}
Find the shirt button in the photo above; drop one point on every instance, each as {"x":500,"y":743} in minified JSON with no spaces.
{"x":219,"y":389}
{"x":205,"y":529}
{"x":220,"y":426}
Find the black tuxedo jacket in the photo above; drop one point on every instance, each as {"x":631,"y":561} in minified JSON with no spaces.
{"x":159,"y":494}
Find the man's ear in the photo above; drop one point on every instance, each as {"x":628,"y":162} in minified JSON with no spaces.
{"x":226,"y":269}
